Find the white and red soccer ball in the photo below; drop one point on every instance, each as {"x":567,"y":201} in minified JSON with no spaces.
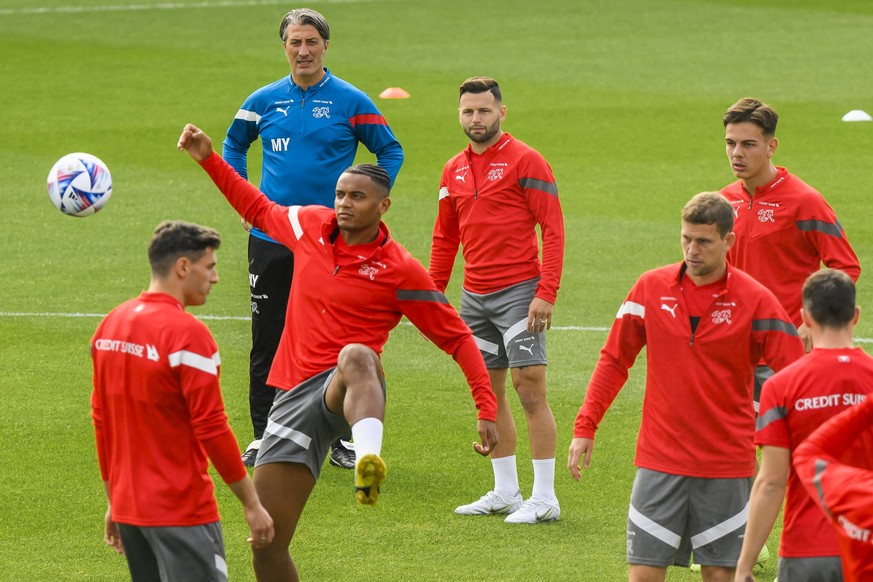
{"x":79,"y":184}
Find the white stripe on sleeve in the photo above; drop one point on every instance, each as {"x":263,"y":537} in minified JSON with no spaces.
{"x":247,"y":115}
{"x":444,"y":192}
{"x":196,"y":361}
{"x":294,"y":219}
{"x":631,"y":308}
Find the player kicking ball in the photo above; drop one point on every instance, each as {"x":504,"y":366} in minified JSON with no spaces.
{"x":352,"y":283}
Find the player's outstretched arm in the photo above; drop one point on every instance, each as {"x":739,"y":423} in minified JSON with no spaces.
{"x":488,"y":435}
{"x":580,"y":450}
{"x":195,"y":142}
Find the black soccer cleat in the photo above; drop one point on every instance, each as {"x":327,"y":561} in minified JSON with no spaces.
{"x":342,"y":454}
{"x":251,"y":453}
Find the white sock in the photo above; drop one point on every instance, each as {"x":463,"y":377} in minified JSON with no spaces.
{"x":544,"y":479}
{"x":505,"y":476}
{"x":367,"y":434}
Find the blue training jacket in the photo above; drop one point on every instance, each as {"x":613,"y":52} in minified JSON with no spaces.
{"x":308,"y":138}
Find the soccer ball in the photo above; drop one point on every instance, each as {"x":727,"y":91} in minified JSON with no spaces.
{"x":79,"y":184}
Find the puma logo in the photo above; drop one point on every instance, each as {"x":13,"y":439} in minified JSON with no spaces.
{"x":528,"y":348}
{"x":462,"y":177}
{"x":672,"y":310}
{"x":284,"y":111}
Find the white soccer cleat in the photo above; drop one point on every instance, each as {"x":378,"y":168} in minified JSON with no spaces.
{"x":535,"y":510}
{"x":491,"y":504}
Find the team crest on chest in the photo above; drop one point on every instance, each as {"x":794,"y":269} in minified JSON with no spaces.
{"x":495,"y":174}
{"x":766,"y":215}
{"x":721,"y":316}
{"x":368,"y":271}
{"x":319,"y":112}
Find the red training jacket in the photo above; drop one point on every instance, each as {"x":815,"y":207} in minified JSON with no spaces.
{"x":698,"y":417}
{"x":794,"y":403}
{"x":784,"y":233}
{"x":844,"y":492}
{"x":491,"y":203}
{"x":331,"y":306}
{"x":158,"y":413}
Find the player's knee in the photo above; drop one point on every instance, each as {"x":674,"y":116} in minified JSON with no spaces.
{"x":357,"y":358}
{"x":531,"y":393}
{"x":269,"y":558}
{"x":532,"y":400}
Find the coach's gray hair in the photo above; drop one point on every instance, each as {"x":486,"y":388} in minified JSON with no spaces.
{"x":304,"y":16}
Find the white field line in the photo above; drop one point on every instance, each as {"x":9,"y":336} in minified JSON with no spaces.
{"x":159,"y":6}
{"x":860,"y":340}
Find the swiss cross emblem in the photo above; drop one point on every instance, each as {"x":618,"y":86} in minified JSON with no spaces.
{"x":721,"y":316}
{"x":766,"y":215}
{"x":495,"y":174}
{"x":368,"y":271}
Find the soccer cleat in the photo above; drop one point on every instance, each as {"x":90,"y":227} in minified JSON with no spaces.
{"x":535,"y":510}
{"x":491,"y":504}
{"x":251,"y":453}
{"x":342,"y":454}
{"x":370,"y":471}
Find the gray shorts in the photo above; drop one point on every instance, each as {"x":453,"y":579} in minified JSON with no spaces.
{"x":671,"y":515}
{"x":300,"y":427}
{"x":175,"y":554}
{"x":499,"y":324}
{"x":821,"y":569}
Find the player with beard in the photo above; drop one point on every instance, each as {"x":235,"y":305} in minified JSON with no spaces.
{"x":492,"y":197}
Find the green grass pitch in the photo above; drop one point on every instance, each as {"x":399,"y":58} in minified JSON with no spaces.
{"x":623,"y":97}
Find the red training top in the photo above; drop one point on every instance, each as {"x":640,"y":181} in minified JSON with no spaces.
{"x":698,"y":417}
{"x":491,"y":203}
{"x":794,"y":403}
{"x":844,"y":492}
{"x":342,"y":295}
{"x":158,"y":412}
{"x":785,"y":231}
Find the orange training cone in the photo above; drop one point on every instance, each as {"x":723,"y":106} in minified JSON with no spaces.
{"x":394,"y":93}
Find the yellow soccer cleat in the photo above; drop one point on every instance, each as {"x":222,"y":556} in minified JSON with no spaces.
{"x":370,"y":471}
